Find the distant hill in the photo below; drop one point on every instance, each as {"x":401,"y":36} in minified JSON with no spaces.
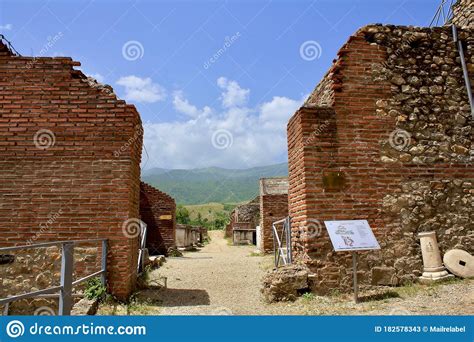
{"x":213,"y":184}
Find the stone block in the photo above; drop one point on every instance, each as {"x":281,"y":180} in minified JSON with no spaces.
{"x":384,"y":276}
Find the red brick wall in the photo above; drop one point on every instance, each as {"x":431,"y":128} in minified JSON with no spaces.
{"x":349,"y":138}
{"x":90,"y":175}
{"x":158,"y":211}
{"x":272,"y":208}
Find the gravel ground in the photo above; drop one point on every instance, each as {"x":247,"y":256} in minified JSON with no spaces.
{"x":221,"y":279}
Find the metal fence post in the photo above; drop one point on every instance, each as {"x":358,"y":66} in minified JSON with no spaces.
{"x":67,"y":267}
{"x":103,"y":277}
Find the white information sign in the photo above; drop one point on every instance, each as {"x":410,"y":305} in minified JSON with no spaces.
{"x":351,"y":235}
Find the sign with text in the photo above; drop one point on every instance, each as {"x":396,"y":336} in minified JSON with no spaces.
{"x":351,"y":235}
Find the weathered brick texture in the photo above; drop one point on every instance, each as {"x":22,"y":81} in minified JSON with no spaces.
{"x":273,"y":207}
{"x":158,"y":211}
{"x":386,"y":80}
{"x":69,"y":150}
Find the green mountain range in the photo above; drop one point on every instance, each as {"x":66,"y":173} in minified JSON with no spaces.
{"x":213,"y":184}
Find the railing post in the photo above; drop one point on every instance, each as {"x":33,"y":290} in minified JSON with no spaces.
{"x":67,"y":266}
{"x":103,"y":277}
{"x":290,"y":252}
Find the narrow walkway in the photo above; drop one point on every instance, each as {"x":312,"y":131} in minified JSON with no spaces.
{"x":219,"y":279}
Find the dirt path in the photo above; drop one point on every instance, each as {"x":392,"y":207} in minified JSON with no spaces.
{"x":220,"y":279}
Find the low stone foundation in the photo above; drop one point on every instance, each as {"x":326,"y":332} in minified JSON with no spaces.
{"x":285,"y":283}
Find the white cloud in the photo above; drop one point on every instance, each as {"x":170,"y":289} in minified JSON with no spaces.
{"x":141,"y":89}
{"x":182,"y":105}
{"x":258,"y":134}
{"x":6,"y":27}
{"x":233,"y":95}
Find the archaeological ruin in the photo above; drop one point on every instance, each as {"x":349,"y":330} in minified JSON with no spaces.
{"x":70,"y":154}
{"x":386,"y":136}
{"x":158,"y":211}
{"x":243,"y":223}
{"x":273,"y":207}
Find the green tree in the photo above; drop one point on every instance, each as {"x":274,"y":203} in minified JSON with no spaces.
{"x":182,"y":215}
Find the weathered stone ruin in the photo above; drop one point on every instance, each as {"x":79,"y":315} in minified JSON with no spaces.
{"x":273,"y":207}
{"x":70,"y":169}
{"x":386,"y":136}
{"x":188,"y":236}
{"x":158,"y":211}
{"x":286,"y":283}
{"x":463,"y":13}
{"x":243,"y":222}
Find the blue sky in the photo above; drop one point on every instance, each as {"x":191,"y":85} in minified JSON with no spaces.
{"x":214,"y":82}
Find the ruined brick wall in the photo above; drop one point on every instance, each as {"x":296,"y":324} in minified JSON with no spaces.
{"x":273,"y":207}
{"x":69,"y":161}
{"x":394,"y":147}
{"x":463,"y":13}
{"x":247,"y":213}
{"x":158,"y":211}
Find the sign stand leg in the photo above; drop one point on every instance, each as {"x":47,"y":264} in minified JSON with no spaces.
{"x":354,"y":270}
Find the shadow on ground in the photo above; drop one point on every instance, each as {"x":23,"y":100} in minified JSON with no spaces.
{"x":169,"y":297}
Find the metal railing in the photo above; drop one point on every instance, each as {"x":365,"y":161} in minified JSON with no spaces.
{"x":64,"y":290}
{"x":444,"y":13}
{"x":142,"y":241}
{"x":282,"y":242}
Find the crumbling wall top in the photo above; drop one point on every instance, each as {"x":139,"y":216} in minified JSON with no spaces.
{"x":274,"y":186}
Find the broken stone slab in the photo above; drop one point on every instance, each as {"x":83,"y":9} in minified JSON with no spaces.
{"x":460,"y":263}
{"x":285,"y":283}
{"x":85,"y":307}
{"x":385,"y":276}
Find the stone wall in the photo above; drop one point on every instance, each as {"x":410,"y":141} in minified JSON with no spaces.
{"x":70,"y":161}
{"x":39,"y":268}
{"x":394,"y":147}
{"x":463,"y":13}
{"x":248,"y":213}
{"x":273,"y":207}
{"x":158,"y":211}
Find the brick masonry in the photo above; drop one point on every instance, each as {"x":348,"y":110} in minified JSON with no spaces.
{"x":273,"y":207}
{"x":386,"y":136}
{"x":70,"y":155}
{"x":158,"y":211}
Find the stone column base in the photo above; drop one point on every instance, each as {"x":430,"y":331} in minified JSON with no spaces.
{"x":429,"y":277}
